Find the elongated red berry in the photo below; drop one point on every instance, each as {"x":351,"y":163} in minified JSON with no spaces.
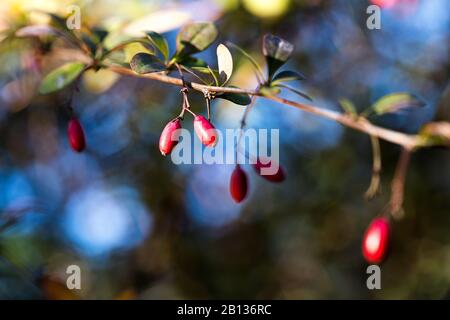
{"x":238,"y":184}
{"x":76,"y":135}
{"x":169,"y":136}
{"x":376,"y":240}
{"x":205,"y":131}
{"x":277,"y":176}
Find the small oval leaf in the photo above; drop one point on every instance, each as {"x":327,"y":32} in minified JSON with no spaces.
{"x":225,"y":62}
{"x":195,"y":37}
{"x":395,"y":102}
{"x":61,"y":77}
{"x":146,"y":63}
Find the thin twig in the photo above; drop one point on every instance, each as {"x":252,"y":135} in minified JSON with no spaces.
{"x":374,"y":187}
{"x":398,"y":184}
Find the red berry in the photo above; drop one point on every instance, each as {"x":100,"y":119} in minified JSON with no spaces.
{"x":169,"y":136}
{"x":278,"y":176}
{"x":376,"y":240}
{"x":205,"y":131}
{"x":76,"y":135}
{"x":238,"y":184}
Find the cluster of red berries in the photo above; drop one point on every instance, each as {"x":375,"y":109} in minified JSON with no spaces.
{"x":375,"y":240}
{"x":204,"y":130}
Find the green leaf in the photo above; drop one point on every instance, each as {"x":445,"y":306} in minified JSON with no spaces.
{"x":192,"y":62}
{"x":207,"y":70}
{"x":435,"y":133}
{"x":277,"y":51}
{"x":287,"y":75}
{"x":61,"y":77}
{"x":348,"y":107}
{"x":238,"y":98}
{"x":146,"y":63}
{"x":298,"y":92}
{"x":195,"y":37}
{"x":225,"y":62}
{"x":159,"y":42}
{"x":396,"y":101}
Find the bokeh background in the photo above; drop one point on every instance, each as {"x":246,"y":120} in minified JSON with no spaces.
{"x":141,"y":227}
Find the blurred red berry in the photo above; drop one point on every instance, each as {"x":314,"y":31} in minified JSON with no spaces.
{"x":169,"y":136}
{"x":384,"y":3}
{"x":205,"y":131}
{"x":76,"y":135}
{"x":277,"y":176}
{"x":376,"y":240}
{"x":238,"y":184}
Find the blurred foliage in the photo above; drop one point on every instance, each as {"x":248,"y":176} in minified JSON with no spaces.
{"x":141,"y":227}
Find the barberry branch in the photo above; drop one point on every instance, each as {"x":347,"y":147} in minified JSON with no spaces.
{"x":407,"y":141}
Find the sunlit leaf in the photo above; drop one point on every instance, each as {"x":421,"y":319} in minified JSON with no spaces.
{"x":225,"y":62}
{"x":436,"y":133}
{"x":238,"y":98}
{"x":277,"y":51}
{"x":195,"y":37}
{"x":132,"y":49}
{"x":36,"y":31}
{"x":99,"y":81}
{"x":395,"y":102}
{"x":146,"y":63}
{"x":61,"y":77}
{"x":348,"y":107}
{"x":159,"y":42}
{"x":287,"y":75}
